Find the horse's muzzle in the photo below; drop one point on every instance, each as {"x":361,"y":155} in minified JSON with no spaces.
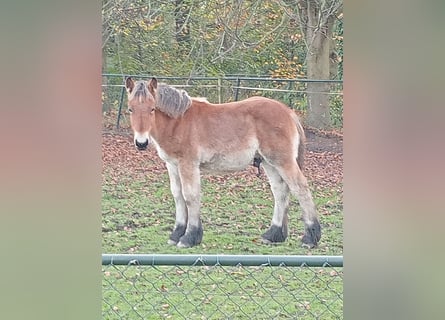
{"x":141,"y":146}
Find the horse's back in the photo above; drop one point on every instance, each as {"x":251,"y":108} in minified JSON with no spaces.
{"x":255,"y":114}
{"x":269,"y":114}
{"x":255,"y":106}
{"x":241,"y":129}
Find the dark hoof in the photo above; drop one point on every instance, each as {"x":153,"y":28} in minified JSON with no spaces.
{"x":275,"y":234}
{"x":191,"y":238}
{"x":312,"y":235}
{"x":177,"y":233}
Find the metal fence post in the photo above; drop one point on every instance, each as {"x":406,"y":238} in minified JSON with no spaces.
{"x":238,"y":81}
{"x":120,"y":107}
{"x":219,"y":89}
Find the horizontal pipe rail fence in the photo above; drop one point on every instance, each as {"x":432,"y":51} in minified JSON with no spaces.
{"x":222,"y":260}
{"x":226,"y":88}
{"x":229,"y":78}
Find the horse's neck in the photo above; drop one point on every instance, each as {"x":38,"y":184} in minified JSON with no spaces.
{"x":163,"y":124}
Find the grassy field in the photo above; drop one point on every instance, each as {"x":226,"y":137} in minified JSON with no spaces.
{"x":138,"y":216}
{"x":216,"y":292}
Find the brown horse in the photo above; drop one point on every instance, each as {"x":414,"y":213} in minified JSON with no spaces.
{"x":192,"y":135}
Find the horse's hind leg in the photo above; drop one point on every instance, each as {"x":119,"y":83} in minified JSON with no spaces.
{"x":181,"y":208}
{"x":298,"y":185}
{"x":278,"y":229}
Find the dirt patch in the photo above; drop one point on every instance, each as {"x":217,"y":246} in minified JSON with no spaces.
{"x":323,"y":164}
{"x":324,"y":141}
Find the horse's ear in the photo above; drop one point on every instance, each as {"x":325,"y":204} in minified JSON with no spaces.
{"x":152,"y":86}
{"x":129,"y":84}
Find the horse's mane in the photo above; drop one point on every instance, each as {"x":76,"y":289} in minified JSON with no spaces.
{"x":172,"y":101}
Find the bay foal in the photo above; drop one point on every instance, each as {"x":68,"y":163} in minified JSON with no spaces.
{"x":192,"y":136}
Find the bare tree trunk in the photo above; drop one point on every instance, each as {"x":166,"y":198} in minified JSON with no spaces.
{"x":182,"y":23}
{"x":318,"y":67}
{"x":317,"y":18}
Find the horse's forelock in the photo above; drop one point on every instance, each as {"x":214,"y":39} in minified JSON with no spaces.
{"x":140,"y":91}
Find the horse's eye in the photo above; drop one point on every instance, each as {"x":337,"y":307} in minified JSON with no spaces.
{"x":152,"y":110}
{"x":130,"y":110}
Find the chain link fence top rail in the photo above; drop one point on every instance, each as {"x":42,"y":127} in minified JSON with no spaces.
{"x":222,"y":287}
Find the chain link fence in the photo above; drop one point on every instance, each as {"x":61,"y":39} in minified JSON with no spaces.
{"x":222,"y":287}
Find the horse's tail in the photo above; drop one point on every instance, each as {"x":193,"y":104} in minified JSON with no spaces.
{"x":301,"y":141}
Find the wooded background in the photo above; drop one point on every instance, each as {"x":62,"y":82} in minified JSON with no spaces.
{"x":279,"y":39}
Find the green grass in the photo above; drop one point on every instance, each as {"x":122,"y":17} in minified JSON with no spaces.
{"x":138,"y":216}
{"x":221,"y":292}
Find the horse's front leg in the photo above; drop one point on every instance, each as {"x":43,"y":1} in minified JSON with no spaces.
{"x":181,"y":208}
{"x":191,"y":191}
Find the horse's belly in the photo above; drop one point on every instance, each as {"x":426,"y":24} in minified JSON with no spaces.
{"x":223,"y":162}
